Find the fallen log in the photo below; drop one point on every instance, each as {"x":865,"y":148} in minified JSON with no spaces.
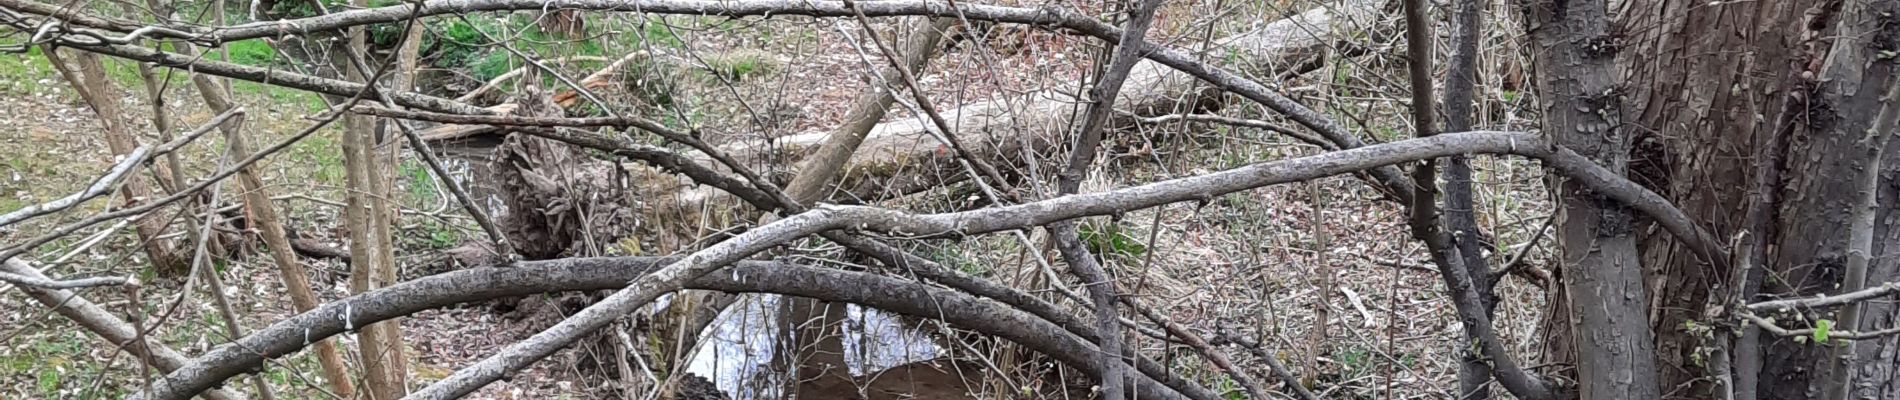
{"x":905,"y":156}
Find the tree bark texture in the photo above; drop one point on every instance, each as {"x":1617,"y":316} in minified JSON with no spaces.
{"x":1706,"y":90}
{"x":1575,"y":53}
{"x":372,"y":248}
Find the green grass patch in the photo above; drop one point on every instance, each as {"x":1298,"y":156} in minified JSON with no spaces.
{"x":21,"y":71}
{"x":420,"y":182}
{"x":253,"y":53}
{"x":739,"y":65}
{"x":1110,"y":239}
{"x":322,"y":151}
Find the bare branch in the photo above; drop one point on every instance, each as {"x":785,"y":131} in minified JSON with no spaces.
{"x":1387,"y":178}
{"x":584,"y":274}
{"x":1231,"y":121}
{"x":99,"y":187}
{"x":1849,"y":335}
{"x":103,"y":323}
{"x":1101,"y":287}
{"x":1200,"y":188}
{"x":44,"y":283}
{"x":676,"y":275}
{"x":1884,"y":290}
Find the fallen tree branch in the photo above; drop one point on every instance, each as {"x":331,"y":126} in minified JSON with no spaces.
{"x":42,"y":282}
{"x":587,"y":274}
{"x":101,"y":322}
{"x":1200,"y":188}
{"x":817,"y":171}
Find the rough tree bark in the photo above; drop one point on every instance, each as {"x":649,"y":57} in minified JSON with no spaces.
{"x":1831,"y":171}
{"x":1575,"y":51}
{"x":1714,"y":93}
{"x":367,"y":216}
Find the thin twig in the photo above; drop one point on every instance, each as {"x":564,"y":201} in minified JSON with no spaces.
{"x":1885,"y":289}
{"x":1777,"y":330}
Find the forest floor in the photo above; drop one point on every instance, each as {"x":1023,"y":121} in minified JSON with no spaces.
{"x":1251,"y":262}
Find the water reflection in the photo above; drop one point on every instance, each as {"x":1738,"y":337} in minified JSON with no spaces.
{"x":738,"y":350}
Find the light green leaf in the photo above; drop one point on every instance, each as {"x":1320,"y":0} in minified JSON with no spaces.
{"x":1821,"y":330}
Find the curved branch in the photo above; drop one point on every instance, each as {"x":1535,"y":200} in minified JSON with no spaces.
{"x":103,"y":323}
{"x":1200,"y":188}
{"x":583,"y":274}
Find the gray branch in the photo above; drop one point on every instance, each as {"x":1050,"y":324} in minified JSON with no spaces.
{"x":1200,"y":188}
{"x":586,"y":274}
{"x":99,"y":187}
{"x":679,"y":273}
{"x":1884,"y":290}
{"x":101,"y":322}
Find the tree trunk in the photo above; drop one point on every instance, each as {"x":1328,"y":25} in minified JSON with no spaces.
{"x":88,"y":77}
{"x":1830,"y":164}
{"x":1575,"y":56}
{"x":1708,"y":91}
{"x":372,"y":252}
{"x":1700,"y":143}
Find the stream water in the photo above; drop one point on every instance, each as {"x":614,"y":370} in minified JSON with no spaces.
{"x":737,"y":352}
